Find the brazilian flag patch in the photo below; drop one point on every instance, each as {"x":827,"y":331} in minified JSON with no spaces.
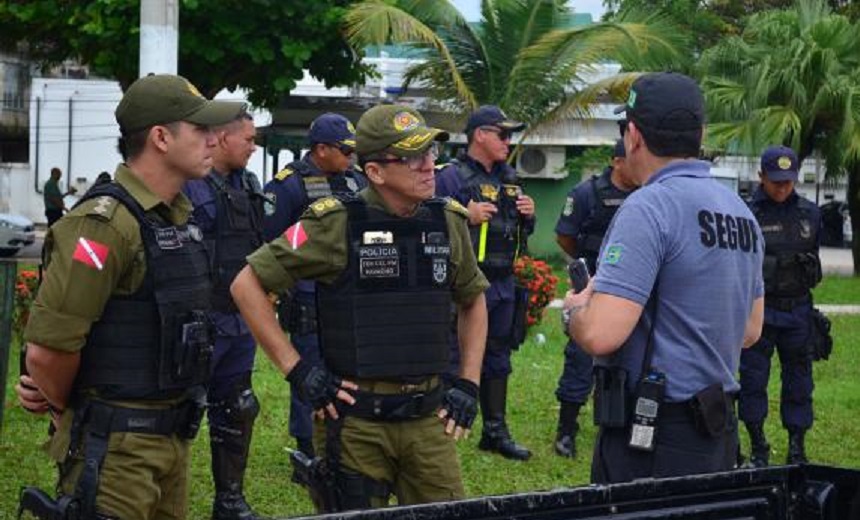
{"x":612,"y":255}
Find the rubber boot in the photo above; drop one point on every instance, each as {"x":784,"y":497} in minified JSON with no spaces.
{"x":565,"y":436}
{"x":495,"y":436}
{"x":796,"y":447}
{"x":759,"y":448}
{"x":230,"y":444}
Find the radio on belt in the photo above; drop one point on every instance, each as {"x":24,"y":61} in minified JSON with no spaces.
{"x":646,"y":410}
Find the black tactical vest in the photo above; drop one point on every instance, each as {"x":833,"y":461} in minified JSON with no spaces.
{"x":791,"y":263}
{"x":498,"y":241}
{"x":607,"y":201}
{"x":236,"y":234}
{"x":320,"y":186}
{"x":156,"y":343}
{"x":389,"y":314}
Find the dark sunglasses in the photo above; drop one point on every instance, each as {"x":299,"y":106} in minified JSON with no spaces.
{"x":503,"y":134}
{"x":622,"y":127}
{"x":344,"y":149}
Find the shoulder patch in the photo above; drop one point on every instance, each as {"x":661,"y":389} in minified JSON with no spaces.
{"x":455,"y":207}
{"x":442,"y":166}
{"x":325,"y":206}
{"x":102,"y":207}
{"x":283,"y":174}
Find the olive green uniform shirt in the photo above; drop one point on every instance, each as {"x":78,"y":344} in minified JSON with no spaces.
{"x":323,"y":256}
{"x":73,"y":294}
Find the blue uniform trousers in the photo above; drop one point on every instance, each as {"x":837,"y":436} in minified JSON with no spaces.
{"x":576,"y":379}
{"x":681,"y":449}
{"x":500,"y":316}
{"x":788,"y":333}
{"x":301,"y":421}
{"x":232,"y":358}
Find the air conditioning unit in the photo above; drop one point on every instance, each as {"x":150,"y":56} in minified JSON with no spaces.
{"x":541,"y":162}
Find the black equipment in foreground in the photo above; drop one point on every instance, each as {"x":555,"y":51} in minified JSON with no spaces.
{"x":805,"y":492}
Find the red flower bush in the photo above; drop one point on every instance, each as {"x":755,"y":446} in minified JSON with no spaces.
{"x":25,"y":292}
{"x":537,"y":277}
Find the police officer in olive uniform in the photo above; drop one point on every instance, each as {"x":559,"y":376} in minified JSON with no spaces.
{"x":678,"y":292}
{"x":324,"y":171}
{"x":587,"y":212}
{"x":118,"y":340}
{"x":388,"y":264}
{"x":228,"y":207}
{"x":500,"y":219}
{"x":791,"y":226}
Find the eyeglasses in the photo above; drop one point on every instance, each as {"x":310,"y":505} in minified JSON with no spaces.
{"x":622,"y":126}
{"x":344,"y":149}
{"x":414,"y":163}
{"x":504,"y":135}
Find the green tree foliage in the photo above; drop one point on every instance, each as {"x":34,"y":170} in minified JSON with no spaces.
{"x":791,"y":77}
{"x":524,"y":55}
{"x":261,"y":45}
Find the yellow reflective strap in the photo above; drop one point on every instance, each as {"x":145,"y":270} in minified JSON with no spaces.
{"x":482,"y":241}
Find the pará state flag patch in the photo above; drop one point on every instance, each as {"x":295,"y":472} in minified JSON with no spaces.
{"x":91,"y":253}
{"x":295,"y":235}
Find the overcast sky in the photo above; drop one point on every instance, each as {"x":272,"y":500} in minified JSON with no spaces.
{"x":471,"y":9}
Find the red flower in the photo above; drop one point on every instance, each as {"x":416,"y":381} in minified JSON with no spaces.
{"x":538,"y":278}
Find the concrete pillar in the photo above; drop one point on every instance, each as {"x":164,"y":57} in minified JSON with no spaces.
{"x":159,"y":36}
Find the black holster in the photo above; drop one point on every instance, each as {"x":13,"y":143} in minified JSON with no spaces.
{"x":711,"y":410}
{"x":820,"y":341}
{"x":39,"y":504}
{"x":610,"y":397}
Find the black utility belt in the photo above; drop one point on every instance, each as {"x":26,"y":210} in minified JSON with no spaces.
{"x":182,"y":420}
{"x":786,"y":304}
{"x":395,"y":407}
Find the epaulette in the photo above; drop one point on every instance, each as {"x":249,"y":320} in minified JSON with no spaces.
{"x":102,"y":208}
{"x":283,"y":174}
{"x":455,"y":207}
{"x":325,"y":206}
{"x":442,"y":166}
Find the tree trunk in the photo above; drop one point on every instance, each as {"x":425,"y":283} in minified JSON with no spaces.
{"x":853,"y":196}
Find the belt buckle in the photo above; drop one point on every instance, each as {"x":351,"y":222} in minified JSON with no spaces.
{"x":408,"y":388}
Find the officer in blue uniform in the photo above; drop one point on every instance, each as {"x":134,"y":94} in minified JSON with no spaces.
{"x":228,"y":206}
{"x":500,"y":219}
{"x":791,"y":226}
{"x":327,"y":169}
{"x":587,"y":212}
{"x":678,"y":292}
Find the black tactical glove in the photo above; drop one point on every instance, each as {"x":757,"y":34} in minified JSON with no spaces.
{"x":316,"y":385}
{"x":461,"y":403}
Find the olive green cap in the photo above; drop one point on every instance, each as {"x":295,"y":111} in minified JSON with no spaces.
{"x":159,"y":99}
{"x":396,"y":129}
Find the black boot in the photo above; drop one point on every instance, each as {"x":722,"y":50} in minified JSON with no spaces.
{"x":565,"y":436}
{"x":796,"y":447}
{"x":759,"y":448}
{"x":230,"y":444}
{"x":495,"y":435}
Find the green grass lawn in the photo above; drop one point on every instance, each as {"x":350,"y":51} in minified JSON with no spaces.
{"x":532,"y":416}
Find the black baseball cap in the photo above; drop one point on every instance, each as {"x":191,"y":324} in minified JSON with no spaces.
{"x":779,"y":163}
{"x":491,"y":115}
{"x":665,"y":101}
{"x":331,"y":128}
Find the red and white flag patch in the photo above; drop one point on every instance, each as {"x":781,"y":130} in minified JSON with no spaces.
{"x":91,"y":253}
{"x":296,"y":235}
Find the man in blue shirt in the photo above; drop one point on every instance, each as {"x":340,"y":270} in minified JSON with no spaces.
{"x":228,"y":207}
{"x":678,"y":293}
{"x":583,"y":222}
{"x":792,"y":231}
{"x":500,"y":219}
{"x":327,"y":169}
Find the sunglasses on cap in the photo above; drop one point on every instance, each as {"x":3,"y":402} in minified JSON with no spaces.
{"x":414,"y":163}
{"x":503,"y":134}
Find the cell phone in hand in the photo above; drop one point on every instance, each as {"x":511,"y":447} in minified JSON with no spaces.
{"x":578,"y":272}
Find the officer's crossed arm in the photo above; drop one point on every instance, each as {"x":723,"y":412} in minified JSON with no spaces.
{"x":752,"y":331}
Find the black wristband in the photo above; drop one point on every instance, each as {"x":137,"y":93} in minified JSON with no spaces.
{"x":466,"y":386}
{"x":299,"y":372}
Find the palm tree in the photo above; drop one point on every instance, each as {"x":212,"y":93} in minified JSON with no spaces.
{"x":792,"y":77}
{"x":523,"y":55}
